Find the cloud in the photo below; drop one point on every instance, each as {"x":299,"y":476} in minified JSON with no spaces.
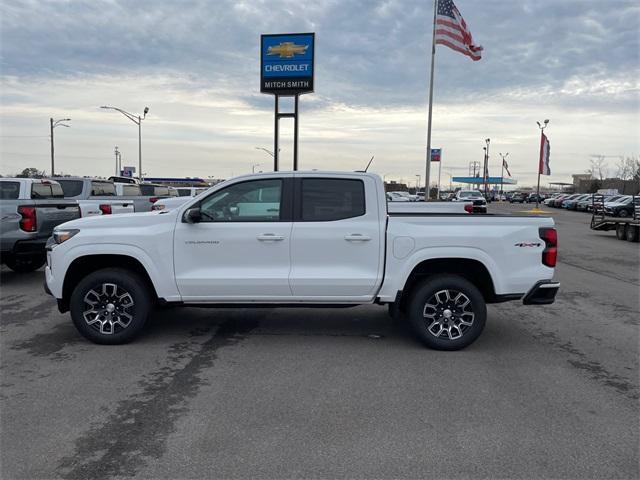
{"x":195,"y":63}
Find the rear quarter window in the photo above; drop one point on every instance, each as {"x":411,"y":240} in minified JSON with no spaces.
{"x":327,"y":199}
{"x":131,"y":190}
{"x":9,"y":190}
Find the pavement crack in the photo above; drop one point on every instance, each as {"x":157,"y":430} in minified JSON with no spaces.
{"x":138,"y":428}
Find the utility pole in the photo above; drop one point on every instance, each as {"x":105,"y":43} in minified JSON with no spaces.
{"x":53,"y":124}
{"x":486,"y":167}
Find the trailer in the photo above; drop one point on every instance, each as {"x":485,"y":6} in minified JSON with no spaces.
{"x":627,"y":228}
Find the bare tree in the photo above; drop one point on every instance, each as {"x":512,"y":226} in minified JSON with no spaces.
{"x":599,"y":168}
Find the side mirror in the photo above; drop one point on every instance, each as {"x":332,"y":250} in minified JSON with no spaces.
{"x":192,"y":215}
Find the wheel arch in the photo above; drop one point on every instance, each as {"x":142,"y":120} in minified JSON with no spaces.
{"x":86,"y":264}
{"x":470,"y":269}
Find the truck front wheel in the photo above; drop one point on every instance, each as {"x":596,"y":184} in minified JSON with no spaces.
{"x":110,"y":306}
{"x":447,"y":312}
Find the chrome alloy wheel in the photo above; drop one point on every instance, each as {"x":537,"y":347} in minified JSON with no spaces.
{"x":448,"y":314}
{"x":108,"y":309}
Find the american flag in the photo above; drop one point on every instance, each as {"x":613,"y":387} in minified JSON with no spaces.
{"x":452,"y":31}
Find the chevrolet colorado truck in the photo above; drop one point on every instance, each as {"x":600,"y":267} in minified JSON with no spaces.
{"x":29,"y":210}
{"x":300,"y":239}
{"x":95,"y":196}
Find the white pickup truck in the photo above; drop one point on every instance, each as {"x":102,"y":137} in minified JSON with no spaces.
{"x":305,"y":239}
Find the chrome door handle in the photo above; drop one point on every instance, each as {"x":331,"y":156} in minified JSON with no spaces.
{"x":266,"y":237}
{"x":357,"y":237}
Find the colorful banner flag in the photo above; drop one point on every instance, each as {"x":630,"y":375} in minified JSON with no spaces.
{"x":545,"y":148}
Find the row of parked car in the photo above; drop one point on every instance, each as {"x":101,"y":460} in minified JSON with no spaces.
{"x":614,"y":205}
{"x":30,"y":209}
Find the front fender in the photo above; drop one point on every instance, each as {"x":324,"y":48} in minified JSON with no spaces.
{"x":160,"y":272}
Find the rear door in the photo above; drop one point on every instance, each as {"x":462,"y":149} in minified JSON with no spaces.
{"x":336,"y":239}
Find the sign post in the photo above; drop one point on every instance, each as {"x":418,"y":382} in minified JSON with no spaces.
{"x":436,"y":155}
{"x":286,"y":70}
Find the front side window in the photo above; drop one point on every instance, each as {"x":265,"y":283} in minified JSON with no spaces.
{"x":253,"y":201}
{"x":327,"y":199}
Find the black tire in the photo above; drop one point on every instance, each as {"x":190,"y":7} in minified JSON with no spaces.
{"x":621,"y":231}
{"x":131,"y":299}
{"x":450,"y":312}
{"x":24,"y":263}
{"x":632,"y":233}
{"x":623,"y":213}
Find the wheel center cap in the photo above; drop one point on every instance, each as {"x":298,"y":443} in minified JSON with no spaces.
{"x":447,"y":313}
{"x":110,"y":307}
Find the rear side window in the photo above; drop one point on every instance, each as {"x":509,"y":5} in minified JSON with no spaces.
{"x":184,"y":192}
{"x":147,"y":189}
{"x":9,"y":190}
{"x":46,"y":190}
{"x":161,"y":191}
{"x":71,"y":188}
{"x":131,"y":190}
{"x":325,"y":199}
{"x":103,"y":188}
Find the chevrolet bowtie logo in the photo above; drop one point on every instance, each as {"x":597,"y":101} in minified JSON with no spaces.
{"x":287,"y":50}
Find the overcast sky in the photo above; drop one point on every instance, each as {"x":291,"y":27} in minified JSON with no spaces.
{"x":196,"y":65}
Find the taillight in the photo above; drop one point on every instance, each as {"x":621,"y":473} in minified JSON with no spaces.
{"x":550,"y":252}
{"x":468,"y":207}
{"x":153,"y":199}
{"x":28,"y":222}
{"x":105,"y":209}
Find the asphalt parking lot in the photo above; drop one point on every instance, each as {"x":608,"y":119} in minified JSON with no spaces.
{"x":334,"y":393}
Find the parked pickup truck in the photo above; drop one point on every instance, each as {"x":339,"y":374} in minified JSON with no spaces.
{"x":94,"y":196}
{"x":29,"y":209}
{"x":304,"y":239}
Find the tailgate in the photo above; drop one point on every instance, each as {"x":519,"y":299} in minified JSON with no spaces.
{"x":122,"y":207}
{"x":52,"y":213}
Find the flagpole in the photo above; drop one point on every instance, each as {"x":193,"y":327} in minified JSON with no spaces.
{"x":427,"y":176}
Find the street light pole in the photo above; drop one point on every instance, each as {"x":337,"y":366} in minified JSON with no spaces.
{"x":53,"y":124}
{"x":486,"y":167}
{"x":137,"y":119}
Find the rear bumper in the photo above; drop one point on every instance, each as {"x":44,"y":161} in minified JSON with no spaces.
{"x":542,"y":293}
{"x":30,"y":247}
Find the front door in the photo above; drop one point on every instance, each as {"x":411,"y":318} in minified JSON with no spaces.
{"x":239,"y":251}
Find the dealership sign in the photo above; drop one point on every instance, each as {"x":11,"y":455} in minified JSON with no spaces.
{"x":286,"y":63}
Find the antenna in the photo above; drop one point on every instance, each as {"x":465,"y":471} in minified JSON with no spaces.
{"x":369,"y":164}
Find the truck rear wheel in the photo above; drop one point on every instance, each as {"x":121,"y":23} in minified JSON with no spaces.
{"x":110,"y":306}
{"x":632,"y":233}
{"x":447,"y":312}
{"x":24,"y":263}
{"x":621,"y":231}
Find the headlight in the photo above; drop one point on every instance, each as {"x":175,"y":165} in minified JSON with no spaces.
{"x":60,"y":236}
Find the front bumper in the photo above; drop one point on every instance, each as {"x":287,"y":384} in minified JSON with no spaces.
{"x":542,"y":293}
